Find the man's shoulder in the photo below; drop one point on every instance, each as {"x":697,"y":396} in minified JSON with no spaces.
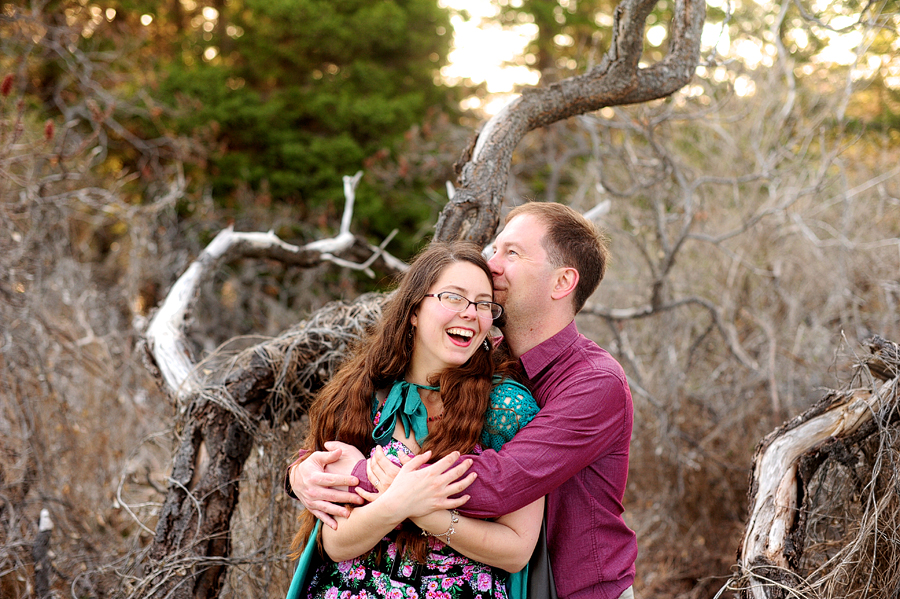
{"x":572,"y":357}
{"x":589,"y":358}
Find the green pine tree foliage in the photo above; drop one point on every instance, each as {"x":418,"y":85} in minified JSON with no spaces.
{"x":290,"y":95}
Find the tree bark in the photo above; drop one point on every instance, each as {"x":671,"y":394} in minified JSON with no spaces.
{"x":192,"y":541}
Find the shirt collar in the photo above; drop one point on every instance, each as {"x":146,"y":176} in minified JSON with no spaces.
{"x":541,"y":355}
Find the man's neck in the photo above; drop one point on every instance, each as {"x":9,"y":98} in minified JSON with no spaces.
{"x":527,"y":336}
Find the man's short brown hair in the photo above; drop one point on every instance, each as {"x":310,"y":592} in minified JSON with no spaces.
{"x":571,"y":241}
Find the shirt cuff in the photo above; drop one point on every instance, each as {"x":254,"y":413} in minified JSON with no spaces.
{"x":287,"y":475}
{"x":359,"y":471}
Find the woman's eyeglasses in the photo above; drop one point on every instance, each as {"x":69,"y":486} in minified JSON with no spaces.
{"x":457,"y":303}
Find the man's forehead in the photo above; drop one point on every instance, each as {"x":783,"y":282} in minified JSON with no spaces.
{"x":524,"y":229}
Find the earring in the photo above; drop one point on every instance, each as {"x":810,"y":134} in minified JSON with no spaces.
{"x":487,"y":345}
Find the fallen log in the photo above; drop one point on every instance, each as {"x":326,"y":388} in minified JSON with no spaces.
{"x":824,"y":494}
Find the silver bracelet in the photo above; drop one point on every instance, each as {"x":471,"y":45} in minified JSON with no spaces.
{"x":454,"y":519}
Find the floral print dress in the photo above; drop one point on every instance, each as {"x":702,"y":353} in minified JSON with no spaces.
{"x":446,"y":574}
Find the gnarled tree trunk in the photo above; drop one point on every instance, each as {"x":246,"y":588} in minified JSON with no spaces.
{"x":825,"y":493}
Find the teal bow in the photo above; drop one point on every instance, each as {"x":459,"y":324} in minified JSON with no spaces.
{"x":403,"y":400}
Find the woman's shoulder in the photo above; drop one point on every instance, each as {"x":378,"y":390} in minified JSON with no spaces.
{"x":508,"y":392}
{"x":512,"y":407}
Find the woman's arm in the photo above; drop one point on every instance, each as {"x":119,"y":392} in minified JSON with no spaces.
{"x":417,"y":490}
{"x":506,"y":543}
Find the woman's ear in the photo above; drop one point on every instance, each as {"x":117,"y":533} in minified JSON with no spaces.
{"x":414,"y":320}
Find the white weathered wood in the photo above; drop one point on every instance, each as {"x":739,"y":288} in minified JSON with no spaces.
{"x":775,"y":473}
{"x":166,"y":334}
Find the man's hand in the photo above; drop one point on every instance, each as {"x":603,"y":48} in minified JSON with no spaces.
{"x":320,"y":490}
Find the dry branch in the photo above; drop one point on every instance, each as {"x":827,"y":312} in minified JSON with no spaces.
{"x":40,"y":552}
{"x":220,"y":417}
{"x":166,"y":335}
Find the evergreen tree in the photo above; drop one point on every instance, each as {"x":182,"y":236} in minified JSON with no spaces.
{"x":296,"y":93}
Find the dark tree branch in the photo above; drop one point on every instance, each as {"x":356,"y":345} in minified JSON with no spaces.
{"x":473,"y":212}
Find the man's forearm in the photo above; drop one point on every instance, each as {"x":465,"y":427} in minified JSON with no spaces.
{"x":566,"y":436}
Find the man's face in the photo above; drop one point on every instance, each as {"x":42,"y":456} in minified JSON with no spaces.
{"x":522,"y":273}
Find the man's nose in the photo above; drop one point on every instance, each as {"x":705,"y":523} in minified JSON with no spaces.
{"x":494,"y":265}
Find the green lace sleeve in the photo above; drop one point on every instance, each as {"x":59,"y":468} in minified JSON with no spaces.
{"x":512,"y":407}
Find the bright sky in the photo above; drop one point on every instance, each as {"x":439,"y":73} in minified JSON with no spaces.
{"x":481,"y":47}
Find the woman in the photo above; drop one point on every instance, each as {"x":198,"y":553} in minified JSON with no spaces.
{"x":423,"y":384}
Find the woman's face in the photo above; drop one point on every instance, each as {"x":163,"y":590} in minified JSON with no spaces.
{"x":444,"y":338}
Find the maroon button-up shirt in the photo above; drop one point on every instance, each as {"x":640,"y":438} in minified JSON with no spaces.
{"x":575,"y":452}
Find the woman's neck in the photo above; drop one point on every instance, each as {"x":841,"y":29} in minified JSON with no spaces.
{"x":418,"y":376}
{"x":431,"y":399}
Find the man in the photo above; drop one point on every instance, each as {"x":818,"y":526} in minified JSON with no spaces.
{"x":547,"y":261}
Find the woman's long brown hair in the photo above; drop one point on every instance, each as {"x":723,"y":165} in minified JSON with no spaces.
{"x":343,"y":409}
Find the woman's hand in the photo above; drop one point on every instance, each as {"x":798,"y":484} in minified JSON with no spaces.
{"x":419,"y":488}
{"x":381,"y":470}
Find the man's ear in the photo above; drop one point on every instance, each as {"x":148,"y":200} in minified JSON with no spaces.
{"x":566,"y":279}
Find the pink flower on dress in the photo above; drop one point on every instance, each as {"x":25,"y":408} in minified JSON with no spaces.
{"x":484,"y":582}
{"x":346,"y":595}
{"x":395,"y":594}
{"x":448,"y":583}
{"x":345,"y":567}
{"x":332,"y":593}
{"x":433,"y":585}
